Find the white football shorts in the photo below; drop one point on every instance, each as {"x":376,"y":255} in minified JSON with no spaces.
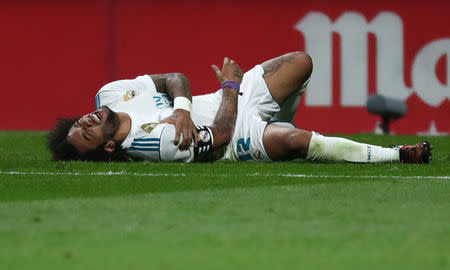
{"x":255,"y":108}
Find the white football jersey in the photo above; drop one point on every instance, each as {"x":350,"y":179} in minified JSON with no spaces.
{"x":155,"y":142}
{"x":149,"y":140}
{"x":138,"y":96}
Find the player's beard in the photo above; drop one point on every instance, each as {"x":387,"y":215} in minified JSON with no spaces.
{"x":109,"y":131}
{"x":112,"y":124}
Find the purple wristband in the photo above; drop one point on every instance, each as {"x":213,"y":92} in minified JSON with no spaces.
{"x":232,"y":84}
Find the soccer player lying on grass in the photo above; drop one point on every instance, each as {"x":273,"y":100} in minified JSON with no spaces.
{"x":136,"y":118}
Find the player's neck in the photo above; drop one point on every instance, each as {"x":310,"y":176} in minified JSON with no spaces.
{"x":124,"y":127}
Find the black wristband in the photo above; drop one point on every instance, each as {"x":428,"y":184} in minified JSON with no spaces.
{"x":205,"y":142}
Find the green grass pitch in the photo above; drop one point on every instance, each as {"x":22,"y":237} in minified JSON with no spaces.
{"x":293,"y":215}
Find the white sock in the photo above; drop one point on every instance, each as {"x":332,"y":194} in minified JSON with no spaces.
{"x":340,"y":149}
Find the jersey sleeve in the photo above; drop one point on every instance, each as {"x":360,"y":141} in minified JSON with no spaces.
{"x":155,"y":142}
{"x":169,"y":151}
{"x":123,"y":90}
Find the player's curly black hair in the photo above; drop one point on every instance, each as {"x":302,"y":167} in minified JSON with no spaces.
{"x":62,"y":150}
{"x":57,"y":142}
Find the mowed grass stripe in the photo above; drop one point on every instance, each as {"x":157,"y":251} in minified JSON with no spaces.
{"x":355,"y":225}
{"x":444,"y":177}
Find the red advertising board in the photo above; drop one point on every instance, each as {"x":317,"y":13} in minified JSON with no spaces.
{"x":56,"y":54}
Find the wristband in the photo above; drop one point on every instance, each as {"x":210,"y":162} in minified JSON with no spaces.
{"x":232,"y":84}
{"x":182,"y":103}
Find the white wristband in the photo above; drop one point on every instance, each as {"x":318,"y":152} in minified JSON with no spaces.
{"x":182,"y":103}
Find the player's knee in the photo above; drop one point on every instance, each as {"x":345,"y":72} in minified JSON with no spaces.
{"x":303,"y":62}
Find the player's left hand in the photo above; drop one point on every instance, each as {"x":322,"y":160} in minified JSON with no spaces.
{"x":182,"y":121}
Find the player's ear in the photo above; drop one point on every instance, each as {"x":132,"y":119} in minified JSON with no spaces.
{"x":110,"y":146}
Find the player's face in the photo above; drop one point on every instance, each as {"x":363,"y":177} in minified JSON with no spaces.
{"x":93,"y":129}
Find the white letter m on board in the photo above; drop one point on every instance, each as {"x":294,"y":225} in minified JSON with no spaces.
{"x":353,"y":30}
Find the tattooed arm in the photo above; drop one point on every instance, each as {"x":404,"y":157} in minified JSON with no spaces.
{"x":222,"y":127}
{"x":213,"y":138}
{"x":225,"y":120}
{"x":177,"y":85}
{"x":174,"y":84}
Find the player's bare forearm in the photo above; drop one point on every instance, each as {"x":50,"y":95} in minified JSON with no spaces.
{"x":225,"y":120}
{"x":173,"y":84}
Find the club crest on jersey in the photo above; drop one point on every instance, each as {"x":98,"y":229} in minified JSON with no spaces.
{"x":204,"y":136}
{"x":149,"y":127}
{"x":130,"y":94}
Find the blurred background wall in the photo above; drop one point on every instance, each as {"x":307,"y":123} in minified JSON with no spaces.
{"x":55,"y":55}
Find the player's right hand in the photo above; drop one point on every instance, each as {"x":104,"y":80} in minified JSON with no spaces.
{"x":182,"y":121}
{"x":230,"y":71}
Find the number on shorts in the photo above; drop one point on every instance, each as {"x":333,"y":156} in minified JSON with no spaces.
{"x":242,"y":147}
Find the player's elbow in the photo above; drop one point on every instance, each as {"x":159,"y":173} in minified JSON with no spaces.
{"x":175,"y":80}
{"x":178,"y":77}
